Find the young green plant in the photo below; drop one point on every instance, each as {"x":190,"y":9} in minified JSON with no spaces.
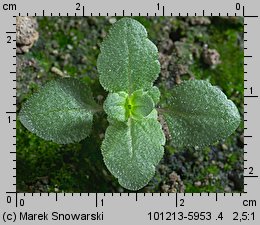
{"x":197,"y":113}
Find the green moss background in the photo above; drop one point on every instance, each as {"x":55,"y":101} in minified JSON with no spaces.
{"x":69,"y":46}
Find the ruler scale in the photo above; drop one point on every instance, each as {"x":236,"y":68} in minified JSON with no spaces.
{"x":129,"y":208}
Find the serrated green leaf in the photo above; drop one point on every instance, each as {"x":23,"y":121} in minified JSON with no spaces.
{"x":200,"y":114}
{"x":128,"y":60}
{"x":132,"y":150}
{"x":62,"y":111}
{"x":115,"y":106}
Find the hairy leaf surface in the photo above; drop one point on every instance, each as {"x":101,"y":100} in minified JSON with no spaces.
{"x":132,"y":150}
{"x":155,"y":94}
{"x":200,"y":114}
{"x":116,"y":107}
{"x":128,"y":60}
{"x":141,"y":104}
{"x":62,"y":111}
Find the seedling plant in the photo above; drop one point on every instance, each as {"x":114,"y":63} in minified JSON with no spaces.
{"x":196,"y":113}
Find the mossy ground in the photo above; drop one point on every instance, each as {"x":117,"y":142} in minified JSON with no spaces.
{"x":70,"y":46}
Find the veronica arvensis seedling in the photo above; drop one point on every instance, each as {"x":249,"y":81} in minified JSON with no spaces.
{"x":197,"y":113}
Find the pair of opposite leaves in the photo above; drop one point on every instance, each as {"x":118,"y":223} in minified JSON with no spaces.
{"x":197,"y":113}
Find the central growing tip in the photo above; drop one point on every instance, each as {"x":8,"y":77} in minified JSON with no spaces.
{"x":121,"y":106}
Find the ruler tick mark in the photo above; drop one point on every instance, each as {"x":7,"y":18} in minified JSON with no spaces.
{"x":163,"y":10}
{"x":251,"y":16}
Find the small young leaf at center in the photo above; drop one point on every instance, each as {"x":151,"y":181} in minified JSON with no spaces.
{"x":116,"y":106}
{"x":141,"y":104}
